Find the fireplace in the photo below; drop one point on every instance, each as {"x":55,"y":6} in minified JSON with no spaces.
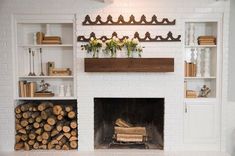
{"x":124,"y":123}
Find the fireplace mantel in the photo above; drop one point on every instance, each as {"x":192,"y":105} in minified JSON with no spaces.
{"x":129,"y":64}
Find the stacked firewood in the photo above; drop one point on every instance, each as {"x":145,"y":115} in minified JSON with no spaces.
{"x":127,"y":133}
{"x":45,"y":126}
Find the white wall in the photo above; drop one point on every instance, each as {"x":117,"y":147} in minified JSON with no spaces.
{"x":231,"y":88}
{"x":177,"y":8}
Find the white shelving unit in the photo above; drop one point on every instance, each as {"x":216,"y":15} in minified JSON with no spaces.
{"x":64,"y":55}
{"x":203,"y":112}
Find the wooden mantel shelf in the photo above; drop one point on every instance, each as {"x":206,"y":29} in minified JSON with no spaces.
{"x":129,"y":64}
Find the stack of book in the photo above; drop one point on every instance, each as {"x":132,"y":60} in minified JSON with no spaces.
{"x":27,"y":89}
{"x":206,"y":40}
{"x":51,"y":40}
{"x":191,"y":94}
{"x":42,"y":39}
{"x":190,"y":69}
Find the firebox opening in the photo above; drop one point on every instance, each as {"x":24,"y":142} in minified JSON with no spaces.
{"x":124,"y":123}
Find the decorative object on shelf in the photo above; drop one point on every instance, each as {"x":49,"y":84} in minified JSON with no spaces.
{"x":94,"y":46}
{"x":207,"y":40}
{"x":33,"y":55}
{"x":30,"y":63}
{"x":207,"y":62}
{"x":40,"y":36}
{"x":131,"y":21}
{"x":35,"y":38}
{"x":48,"y":33}
{"x":52,"y":71}
{"x":27,"y":89}
{"x":191,"y":94}
{"x":42,"y":39}
{"x":50,"y":66}
{"x":112,"y":46}
{"x":204,"y":92}
{"x":60,"y":72}
{"x":41,"y":74}
{"x":61,"y":91}
{"x":190,"y":69}
{"x":132,"y":46}
{"x":198,"y":73}
{"x":146,"y":38}
{"x":191,"y":34}
{"x":44,"y":90}
{"x":68,"y":91}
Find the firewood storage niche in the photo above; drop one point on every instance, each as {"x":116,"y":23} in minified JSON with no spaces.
{"x":129,"y":123}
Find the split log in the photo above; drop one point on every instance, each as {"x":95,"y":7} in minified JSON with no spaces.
{"x":121,"y":123}
{"x":45,"y":135}
{"x":73,"y":144}
{"x":24,"y":123}
{"x":22,"y":131}
{"x":32,"y":136}
{"x":57,"y":109}
{"x":65,"y":147}
{"x":36,"y":145}
{"x":36,"y":125}
{"x":46,"y":113}
{"x":66,"y":129}
{"x":60,"y":117}
{"x":51,"y":120}
{"x":27,"y":114}
{"x":71,"y":114}
{"x":131,"y":130}
{"x":54,"y":132}
{"x":35,"y":114}
{"x":39,"y":131}
{"x":44,"y":105}
{"x":27,"y":147}
{"x":31,"y":142}
{"x":57,"y":147}
{"x":73,"y":124}
{"x":67,"y":135}
{"x":39,"y":138}
{"x":19,"y":146}
{"x":18,"y":116}
{"x":47,"y":127}
{"x":24,"y":137}
{"x":38,"y":119}
{"x":17,"y":138}
{"x":73,"y":133}
{"x":18,"y":127}
{"x":73,"y":138}
{"x":68,"y":108}
{"x":17,"y":110}
{"x":129,"y":138}
{"x":31,"y":120}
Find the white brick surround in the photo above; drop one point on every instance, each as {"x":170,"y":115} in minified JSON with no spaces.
{"x":168,"y":85}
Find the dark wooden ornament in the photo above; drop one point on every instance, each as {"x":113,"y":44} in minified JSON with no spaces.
{"x":131,"y":21}
{"x":146,"y":38}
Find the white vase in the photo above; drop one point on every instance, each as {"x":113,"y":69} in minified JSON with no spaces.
{"x":198,"y":74}
{"x":61,"y":91}
{"x":207,"y":62}
{"x":68,"y":91}
{"x":191,"y":36}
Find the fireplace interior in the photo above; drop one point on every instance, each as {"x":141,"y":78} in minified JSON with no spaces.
{"x":140,"y":120}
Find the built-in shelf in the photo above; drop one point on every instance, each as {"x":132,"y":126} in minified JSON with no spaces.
{"x":199,"y":78}
{"x":201,"y":100}
{"x":46,"y":77}
{"x":45,"y":45}
{"x":129,"y":64}
{"x":46,"y":98}
{"x":200,"y":46}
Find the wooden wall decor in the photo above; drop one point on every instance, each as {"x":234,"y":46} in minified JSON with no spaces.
{"x":146,"y":38}
{"x":131,"y":21}
{"x":129,"y":65}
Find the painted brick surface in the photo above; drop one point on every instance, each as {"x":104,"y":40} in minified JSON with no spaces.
{"x":167,"y":85}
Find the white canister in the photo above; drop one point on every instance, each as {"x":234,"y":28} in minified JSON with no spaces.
{"x":61,"y":91}
{"x":68,"y":91}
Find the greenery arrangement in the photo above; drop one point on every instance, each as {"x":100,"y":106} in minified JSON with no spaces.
{"x":132,"y":45}
{"x":93,"y":46}
{"x":112,"y":45}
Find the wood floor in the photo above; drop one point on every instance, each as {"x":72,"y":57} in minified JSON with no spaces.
{"x":112,"y":153}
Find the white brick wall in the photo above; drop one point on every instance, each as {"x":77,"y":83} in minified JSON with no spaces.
{"x":107,"y":85}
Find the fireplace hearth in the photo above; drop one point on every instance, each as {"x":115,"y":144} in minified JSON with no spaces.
{"x":127,"y":123}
